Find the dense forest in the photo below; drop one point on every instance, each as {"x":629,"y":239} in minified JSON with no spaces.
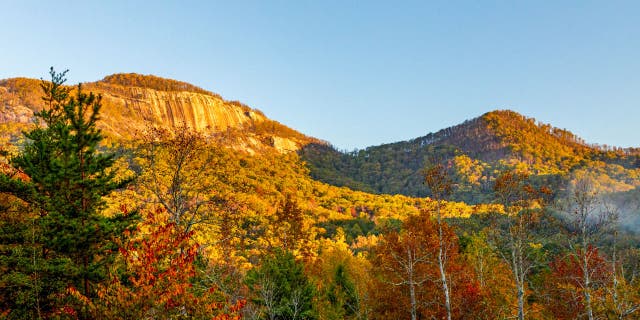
{"x":178,"y":224}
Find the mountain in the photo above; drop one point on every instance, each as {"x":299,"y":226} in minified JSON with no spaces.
{"x":133,"y":103}
{"x":477,"y":150}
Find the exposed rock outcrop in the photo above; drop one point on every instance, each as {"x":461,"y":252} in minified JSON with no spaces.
{"x":132,"y":103}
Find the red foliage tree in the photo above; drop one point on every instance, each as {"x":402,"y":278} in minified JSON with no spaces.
{"x":564,"y":286}
{"x":157,"y":277}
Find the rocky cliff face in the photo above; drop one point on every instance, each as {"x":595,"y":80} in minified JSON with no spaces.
{"x":135,"y":106}
{"x":131,"y":106}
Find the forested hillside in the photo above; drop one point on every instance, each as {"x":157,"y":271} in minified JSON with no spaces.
{"x":178,"y":222}
{"x":477,"y":150}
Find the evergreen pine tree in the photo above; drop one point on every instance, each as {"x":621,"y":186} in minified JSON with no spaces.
{"x":342,"y":293}
{"x":69,"y":176}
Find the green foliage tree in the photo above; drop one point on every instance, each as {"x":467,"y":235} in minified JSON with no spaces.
{"x":342,"y":293}
{"x":281,"y":288}
{"x":68,"y":178}
{"x":19,"y":281}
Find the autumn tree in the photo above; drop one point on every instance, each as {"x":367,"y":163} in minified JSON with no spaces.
{"x":290,"y":217}
{"x":588,"y":222}
{"x":440,"y":184}
{"x":404,"y":259}
{"x":179,"y":173}
{"x":224,"y":262}
{"x":291,"y":229}
{"x":513,"y":234}
{"x":155,"y":278}
{"x":344,"y":281}
{"x":410,"y":283}
{"x":563,"y":285}
{"x":493,"y":276}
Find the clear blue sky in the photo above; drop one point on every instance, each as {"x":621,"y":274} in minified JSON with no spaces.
{"x":357,"y":73}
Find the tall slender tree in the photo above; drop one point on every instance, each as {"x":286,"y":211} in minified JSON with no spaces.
{"x":515,"y":238}
{"x":440,"y":184}
{"x":589,"y":222}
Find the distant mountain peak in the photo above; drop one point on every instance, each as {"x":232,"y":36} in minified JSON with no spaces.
{"x":478,"y":149}
{"x":503,"y":131}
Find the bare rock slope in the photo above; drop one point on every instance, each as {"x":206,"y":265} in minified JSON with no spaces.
{"x":133,"y":102}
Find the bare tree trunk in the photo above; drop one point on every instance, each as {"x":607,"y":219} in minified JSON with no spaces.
{"x":438,"y":181}
{"x":517,"y":196}
{"x":35,"y":270}
{"x":521,"y":268}
{"x":296,"y":301}
{"x":519,"y":277}
{"x":586,"y":279}
{"x":614,"y":275}
{"x":520,"y":302}
{"x":268,"y":295}
{"x":441,"y":264}
{"x":412,"y":289}
{"x":583,"y":212}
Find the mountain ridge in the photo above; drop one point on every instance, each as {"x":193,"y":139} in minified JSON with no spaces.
{"x":127,"y":85}
{"x":476,"y":149}
{"x":134,"y":102}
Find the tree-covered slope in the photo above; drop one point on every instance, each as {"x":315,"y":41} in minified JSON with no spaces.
{"x":222,"y":230}
{"x":476,"y":150}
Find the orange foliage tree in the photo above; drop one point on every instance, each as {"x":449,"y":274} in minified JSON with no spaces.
{"x":409,"y":277}
{"x":515,"y":238}
{"x":440,"y":184}
{"x":493,"y":276}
